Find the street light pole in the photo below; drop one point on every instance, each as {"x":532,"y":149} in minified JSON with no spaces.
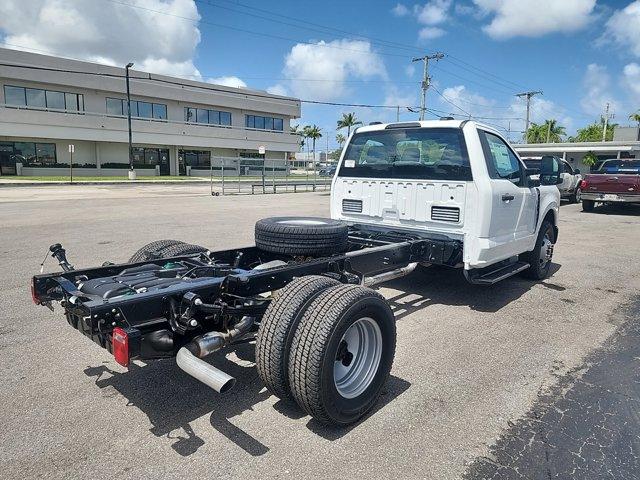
{"x":132,"y":175}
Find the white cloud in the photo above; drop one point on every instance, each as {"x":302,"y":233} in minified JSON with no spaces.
{"x":434,"y":12}
{"x":319,"y":71}
{"x":429,"y":33}
{"x":400,"y":10}
{"x":510,"y":118}
{"x":228,"y":81}
{"x":535,"y":18}
{"x":623,"y":28}
{"x":596,"y":86}
{"x":631,"y":82}
{"x":277,"y":90}
{"x":108,"y":32}
{"x":410,"y":70}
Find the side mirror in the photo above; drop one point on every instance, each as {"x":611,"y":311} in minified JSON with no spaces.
{"x":550,"y":171}
{"x":576,"y":171}
{"x":533,"y":177}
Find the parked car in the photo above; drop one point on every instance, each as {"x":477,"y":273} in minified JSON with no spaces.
{"x":571,"y":177}
{"x":449,"y":193}
{"x":616,"y":181}
{"x":327,"y":171}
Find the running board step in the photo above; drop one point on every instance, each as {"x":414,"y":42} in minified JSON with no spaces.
{"x":489,"y":277}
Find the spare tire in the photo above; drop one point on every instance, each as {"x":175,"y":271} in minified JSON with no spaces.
{"x":311,"y":236}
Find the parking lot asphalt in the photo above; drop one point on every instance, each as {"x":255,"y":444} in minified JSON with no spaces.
{"x":475,"y":367}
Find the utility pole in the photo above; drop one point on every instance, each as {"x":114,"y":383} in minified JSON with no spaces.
{"x":528,"y":96}
{"x":426,"y":79}
{"x":607,"y":116}
{"x":132,"y":175}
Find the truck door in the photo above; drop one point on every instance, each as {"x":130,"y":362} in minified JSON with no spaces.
{"x":514,"y":203}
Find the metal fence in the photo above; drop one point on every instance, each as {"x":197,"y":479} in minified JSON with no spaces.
{"x":257,"y":176}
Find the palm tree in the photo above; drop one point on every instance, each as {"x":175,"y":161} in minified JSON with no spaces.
{"x":347,"y":121}
{"x":340,"y":138}
{"x":295,"y":130}
{"x":635,"y":117}
{"x":313,"y":132}
{"x":546,"y":132}
{"x":552,"y":131}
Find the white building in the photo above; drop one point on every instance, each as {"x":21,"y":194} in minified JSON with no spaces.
{"x":48,"y":103}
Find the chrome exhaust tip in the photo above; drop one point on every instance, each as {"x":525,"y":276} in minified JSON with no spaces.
{"x":208,"y":374}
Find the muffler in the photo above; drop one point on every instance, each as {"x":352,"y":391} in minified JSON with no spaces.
{"x":189,"y":357}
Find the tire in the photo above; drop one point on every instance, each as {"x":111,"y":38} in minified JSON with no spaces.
{"x":322,"y":369}
{"x":576,"y":197}
{"x":277,"y":327}
{"x":151,"y":251}
{"x":540,"y":258}
{"x":181,"y":249}
{"x":588,"y":205}
{"x":301,"y":236}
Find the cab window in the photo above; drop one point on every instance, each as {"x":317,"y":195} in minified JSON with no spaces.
{"x":501,"y":161}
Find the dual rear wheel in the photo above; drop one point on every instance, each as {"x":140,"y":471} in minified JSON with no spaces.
{"x":327,"y":346}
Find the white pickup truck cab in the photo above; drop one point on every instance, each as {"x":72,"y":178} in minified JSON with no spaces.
{"x":452,"y":179}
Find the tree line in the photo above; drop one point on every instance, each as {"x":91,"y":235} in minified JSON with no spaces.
{"x":548,"y":132}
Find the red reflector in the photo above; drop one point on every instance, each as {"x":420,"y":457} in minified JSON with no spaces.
{"x":120,"y":343}
{"x":584,"y":185}
{"x":34,"y":295}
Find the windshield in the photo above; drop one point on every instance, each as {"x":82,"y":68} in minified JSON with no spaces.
{"x":631,"y":167}
{"x":420,"y":153}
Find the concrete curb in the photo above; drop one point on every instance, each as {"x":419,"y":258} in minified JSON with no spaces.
{"x":123,"y":182}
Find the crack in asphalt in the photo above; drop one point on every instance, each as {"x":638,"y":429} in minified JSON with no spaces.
{"x":585,"y":426}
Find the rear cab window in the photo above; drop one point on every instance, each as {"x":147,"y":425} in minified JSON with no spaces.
{"x":408,"y":153}
{"x":630,"y":167}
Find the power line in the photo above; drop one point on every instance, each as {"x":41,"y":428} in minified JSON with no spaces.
{"x":197,"y":21}
{"x":305,"y":24}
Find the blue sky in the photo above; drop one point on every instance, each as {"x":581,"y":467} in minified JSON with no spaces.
{"x":580,"y":53}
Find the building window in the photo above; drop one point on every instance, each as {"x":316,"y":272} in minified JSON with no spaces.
{"x":145,"y":110}
{"x":39,"y":98}
{"x":195,"y":158}
{"x":210,"y":117}
{"x":32,"y":154}
{"x":14,"y":96}
{"x":225,"y":118}
{"x":55,"y":100}
{"x":36,"y":98}
{"x":159,"y":111}
{"x":114,"y":106}
{"x":264,"y":123}
{"x":139,"y":109}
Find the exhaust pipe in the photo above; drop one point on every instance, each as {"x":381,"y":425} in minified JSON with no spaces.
{"x":206,"y":373}
{"x":189,"y":356}
{"x":386,"y":276}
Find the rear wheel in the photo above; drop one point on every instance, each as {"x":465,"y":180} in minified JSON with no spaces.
{"x":164,"y":249}
{"x":577,"y":196}
{"x":341,"y":354}
{"x":151,"y":251}
{"x":310,"y":236}
{"x":588,"y":205}
{"x":277,"y":327}
{"x":540,"y":258}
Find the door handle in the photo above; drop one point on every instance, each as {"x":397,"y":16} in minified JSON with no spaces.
{"x":507,"y":197}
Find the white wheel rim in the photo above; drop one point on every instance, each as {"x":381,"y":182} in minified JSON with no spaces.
{"x":358,"y":358}
{"x":546,"y":250}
